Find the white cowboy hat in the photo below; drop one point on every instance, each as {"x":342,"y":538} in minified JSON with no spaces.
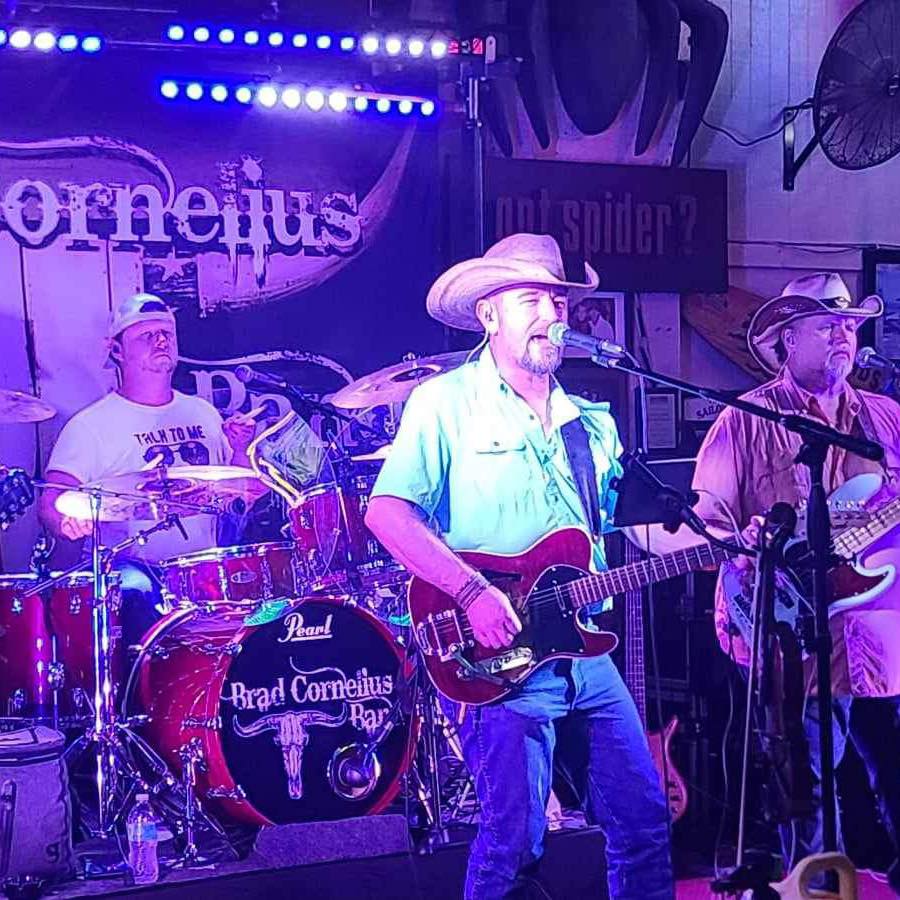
{"x":516,"y":261}
{"x":823,"y":293}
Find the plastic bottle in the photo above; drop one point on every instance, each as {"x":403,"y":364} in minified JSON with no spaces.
{"x":142,"y":840}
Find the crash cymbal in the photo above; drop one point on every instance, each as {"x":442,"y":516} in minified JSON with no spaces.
{"x":154,"y":494}
{"x":16,"y":406}
{"x":395,"y":383}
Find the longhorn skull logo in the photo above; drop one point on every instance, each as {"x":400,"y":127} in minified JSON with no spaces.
{"x":292,"y":734}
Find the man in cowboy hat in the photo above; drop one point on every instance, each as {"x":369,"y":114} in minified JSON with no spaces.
{"x":480,"y":462}
{"x":807,"y":339}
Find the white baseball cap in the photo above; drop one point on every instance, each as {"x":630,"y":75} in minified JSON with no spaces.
{"x":140,"y":308}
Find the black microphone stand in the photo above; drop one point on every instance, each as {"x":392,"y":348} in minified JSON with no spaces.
{"x":305,"y":407}
{"x":817,"y":438}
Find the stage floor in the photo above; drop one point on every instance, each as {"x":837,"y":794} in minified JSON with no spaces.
{"x":573,"y":869}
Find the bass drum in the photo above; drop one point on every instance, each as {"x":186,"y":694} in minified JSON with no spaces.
{"x":295,"y":707}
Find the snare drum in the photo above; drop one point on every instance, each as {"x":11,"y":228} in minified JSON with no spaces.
{"x":337,"y":550}
{"x":233,"y":575}
{"x":46,"y":646}
{"x":283,"y":703}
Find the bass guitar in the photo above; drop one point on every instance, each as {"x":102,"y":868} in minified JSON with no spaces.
{"x":865,"y":557}
{"x":547,"y":584}
{"x":660,"y":741}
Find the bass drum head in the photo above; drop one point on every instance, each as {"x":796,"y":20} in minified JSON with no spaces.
{"x":321,"y":678}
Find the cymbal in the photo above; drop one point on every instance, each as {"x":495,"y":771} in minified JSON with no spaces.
{"x":395,"y":383}
{"x":154,"y":494}
{"x":374,"y":456}
{"x":16,"y":406}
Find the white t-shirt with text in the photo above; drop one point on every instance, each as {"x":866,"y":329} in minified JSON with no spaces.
{"x":115,"y":436}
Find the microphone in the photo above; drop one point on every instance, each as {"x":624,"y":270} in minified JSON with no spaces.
{"x":870,"y":358}
{"x":562,"y":336}
{"x":254,"y":378}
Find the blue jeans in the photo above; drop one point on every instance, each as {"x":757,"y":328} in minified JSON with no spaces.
{"x":877,"y":746}
{"x":508,"y":747}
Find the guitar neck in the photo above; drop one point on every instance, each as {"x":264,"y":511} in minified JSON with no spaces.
{"x":634,"y":642}
{"x":881,"y":521}
{"x":634,"y":576}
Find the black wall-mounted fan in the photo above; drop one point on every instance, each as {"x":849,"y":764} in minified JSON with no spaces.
{"x":856,"y":103}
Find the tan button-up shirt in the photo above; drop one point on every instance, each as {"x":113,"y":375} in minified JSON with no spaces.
{"x":746,"y":464}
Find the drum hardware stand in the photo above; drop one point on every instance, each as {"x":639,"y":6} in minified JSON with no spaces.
{"x":108,"y":733}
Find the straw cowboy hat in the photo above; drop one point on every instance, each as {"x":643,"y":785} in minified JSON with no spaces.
{"x":824,"y":293}
{"x":519,"y":260}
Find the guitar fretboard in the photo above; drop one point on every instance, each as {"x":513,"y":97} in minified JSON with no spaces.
{"x":593,"y":588}
{"x":881,"y":521}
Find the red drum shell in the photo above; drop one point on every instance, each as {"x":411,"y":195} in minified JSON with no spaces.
{"x":221,"y":575}
{"x":28,"y":626}
{"x":262,"y":698}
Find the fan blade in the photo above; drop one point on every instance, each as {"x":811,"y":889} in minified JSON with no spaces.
{"x":598,"y":49}
{"x":532,"y":68}
{"x":709,"y":38}
{"x":664,"y":27}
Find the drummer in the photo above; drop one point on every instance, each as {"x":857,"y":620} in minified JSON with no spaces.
{"x":142,"y":424}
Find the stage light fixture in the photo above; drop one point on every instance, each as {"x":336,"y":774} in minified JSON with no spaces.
{"x":67,"y":42}
{"x":251,"y":38}
{"x":361,"y":104}
{"x":267,"y":96}
{"x":427,"y":107}
{"x":370,"y":44}
{"x":91,"y":44}
{"x":323,"y":41}
{"x":382,"y":104}
{"x":300,"y":40}
{"x":201,"y":34}
{"x":347,"y":43}
{"x":315,"y":99}
{"x":20,"y":39}
{"x":416,"y":47}
{"x":393,"y":45}
{"x":44,"y":40}
{"x":276,"y":39}
{"x":291,"y":97}
{"x":175,"y":33}
{"x":226,"y":35}
{"x":194,"y":91}
{"x":337,"y":100}
{"x":219,"y":93}
{"x":405,"y":106}
{"x":169,"y":90}
{"x":439,"y":48}
{"x":243,"y":94}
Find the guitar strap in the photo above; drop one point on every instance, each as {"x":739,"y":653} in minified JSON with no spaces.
{"x":578,"y":449}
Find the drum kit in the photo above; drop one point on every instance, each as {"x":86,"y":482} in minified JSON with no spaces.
{"x":279,"y":684}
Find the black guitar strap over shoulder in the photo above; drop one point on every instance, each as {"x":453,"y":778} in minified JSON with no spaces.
{"x":578,"y":449}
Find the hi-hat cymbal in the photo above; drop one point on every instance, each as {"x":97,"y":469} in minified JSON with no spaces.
{"x":154,"y":494}
{"x":16,"y":406}
{"x":395,"y":383}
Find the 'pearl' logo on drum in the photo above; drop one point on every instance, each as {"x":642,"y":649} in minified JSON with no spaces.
{"x":296,"y":630}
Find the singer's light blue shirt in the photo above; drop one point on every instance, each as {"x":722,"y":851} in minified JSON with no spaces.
{"x":471,"y":453}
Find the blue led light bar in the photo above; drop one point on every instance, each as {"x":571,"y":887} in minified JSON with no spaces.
{"x":297,"y":97}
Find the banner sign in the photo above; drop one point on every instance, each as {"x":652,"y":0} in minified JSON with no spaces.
{"x":642,"y":228}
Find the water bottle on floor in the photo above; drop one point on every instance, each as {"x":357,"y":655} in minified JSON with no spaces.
{"x":142,"y":840}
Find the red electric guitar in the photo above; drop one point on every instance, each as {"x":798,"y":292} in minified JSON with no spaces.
{"x":547,"y":584}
